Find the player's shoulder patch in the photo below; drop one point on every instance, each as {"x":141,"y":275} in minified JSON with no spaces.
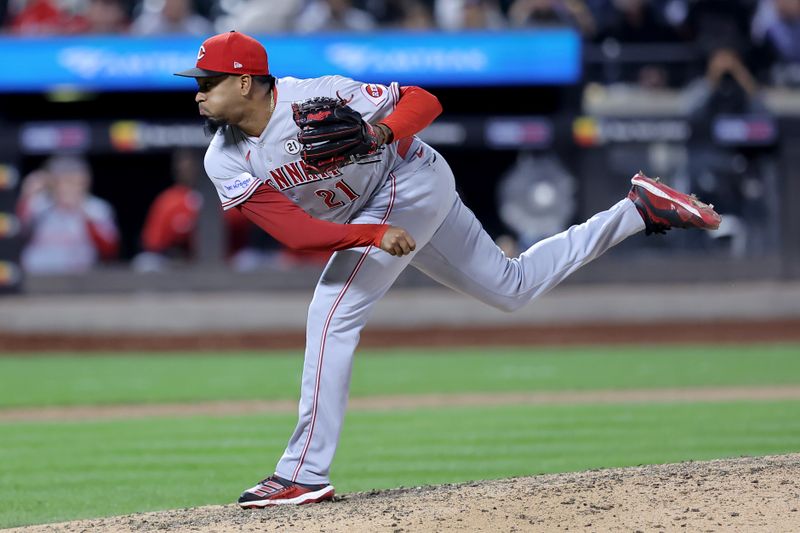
{"x":377,"y":94}
{"x":238,"y":184}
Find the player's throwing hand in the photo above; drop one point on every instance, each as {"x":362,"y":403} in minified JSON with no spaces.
{"x":397,"y":241}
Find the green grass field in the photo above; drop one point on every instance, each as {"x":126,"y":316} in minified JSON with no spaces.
{"x":165,"y":378}
{"x":55,"y":471}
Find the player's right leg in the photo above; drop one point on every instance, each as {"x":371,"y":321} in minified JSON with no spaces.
{"x":461,"y":255}
{"x":353,"y":281}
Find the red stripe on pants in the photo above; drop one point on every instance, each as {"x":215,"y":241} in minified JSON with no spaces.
{"x":325,"y":334}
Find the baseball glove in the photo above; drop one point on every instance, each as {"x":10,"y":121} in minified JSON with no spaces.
{"x":333,"y":134}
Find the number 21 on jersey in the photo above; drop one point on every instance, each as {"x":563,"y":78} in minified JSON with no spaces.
{"x":333,"y":200}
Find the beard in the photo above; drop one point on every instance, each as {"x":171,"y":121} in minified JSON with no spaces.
{"x":212,"y":125}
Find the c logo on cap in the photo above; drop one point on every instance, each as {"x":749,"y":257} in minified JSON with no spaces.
{"x":201,"y":52}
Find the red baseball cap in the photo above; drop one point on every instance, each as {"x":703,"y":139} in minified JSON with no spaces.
{"x":229,"y":53}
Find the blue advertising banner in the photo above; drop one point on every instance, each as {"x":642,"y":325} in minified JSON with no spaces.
{"x":109,"y":63}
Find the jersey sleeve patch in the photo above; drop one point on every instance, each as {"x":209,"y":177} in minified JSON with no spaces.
{"x":237,"y":190}
{"x":377,"y":94}
{"x":238,"y":185}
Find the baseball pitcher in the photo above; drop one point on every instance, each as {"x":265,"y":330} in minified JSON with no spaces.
{"x":330,"y":163}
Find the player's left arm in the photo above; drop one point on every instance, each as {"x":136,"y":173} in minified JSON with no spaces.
{"x":294,"y":228}
{"x":396,"y":112}
{"x":416,"y":109}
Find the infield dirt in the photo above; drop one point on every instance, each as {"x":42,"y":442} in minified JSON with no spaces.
{"x":744,"y":494}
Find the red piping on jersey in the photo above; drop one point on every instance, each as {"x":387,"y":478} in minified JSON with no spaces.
{"x":416,"y":109}
{"x":325,"y":335}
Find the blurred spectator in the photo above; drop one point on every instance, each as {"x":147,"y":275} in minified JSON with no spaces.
{"x":410,"y":14}
{"x":171,"y":220}
{"x":106,"y":17}
{"x":480,"y":14}
{"x":43,"y":17}
{"x":778,"y":25}
{"x":68,"y":230}
{"x":638,"y":21}
{"x":170,"y":16}
{"x":385,"y":12}
{"x":333,"y":15}
{"x":711,"y":24}
{"x":469,"y":14}
{"x":602,"y":12}
{"x":416,"y":15}
{"x":257,"y":16}
{"x":573,"y":13}
{"x":169,"y":230}
{"x":776,"y":32}
{"x":727,"y":87}
{"x":732,"y":177}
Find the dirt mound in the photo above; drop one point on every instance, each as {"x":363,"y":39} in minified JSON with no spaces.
{"x":746,"y":494}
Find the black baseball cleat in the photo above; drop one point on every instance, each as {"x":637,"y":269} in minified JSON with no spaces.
{"x":663,"y":208}
{"x":275,"y":490}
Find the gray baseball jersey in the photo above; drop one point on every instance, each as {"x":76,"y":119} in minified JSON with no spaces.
{"x":237,"y":164}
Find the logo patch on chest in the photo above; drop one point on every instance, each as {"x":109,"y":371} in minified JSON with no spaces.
{"x":292,"y":146}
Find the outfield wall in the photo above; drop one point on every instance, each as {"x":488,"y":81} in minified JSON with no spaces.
{"x":730,"y":311}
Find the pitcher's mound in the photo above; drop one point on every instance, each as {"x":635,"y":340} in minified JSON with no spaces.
{"x":746,"y":494}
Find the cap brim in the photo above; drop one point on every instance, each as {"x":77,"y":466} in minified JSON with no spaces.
{"x":200,"y":73}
